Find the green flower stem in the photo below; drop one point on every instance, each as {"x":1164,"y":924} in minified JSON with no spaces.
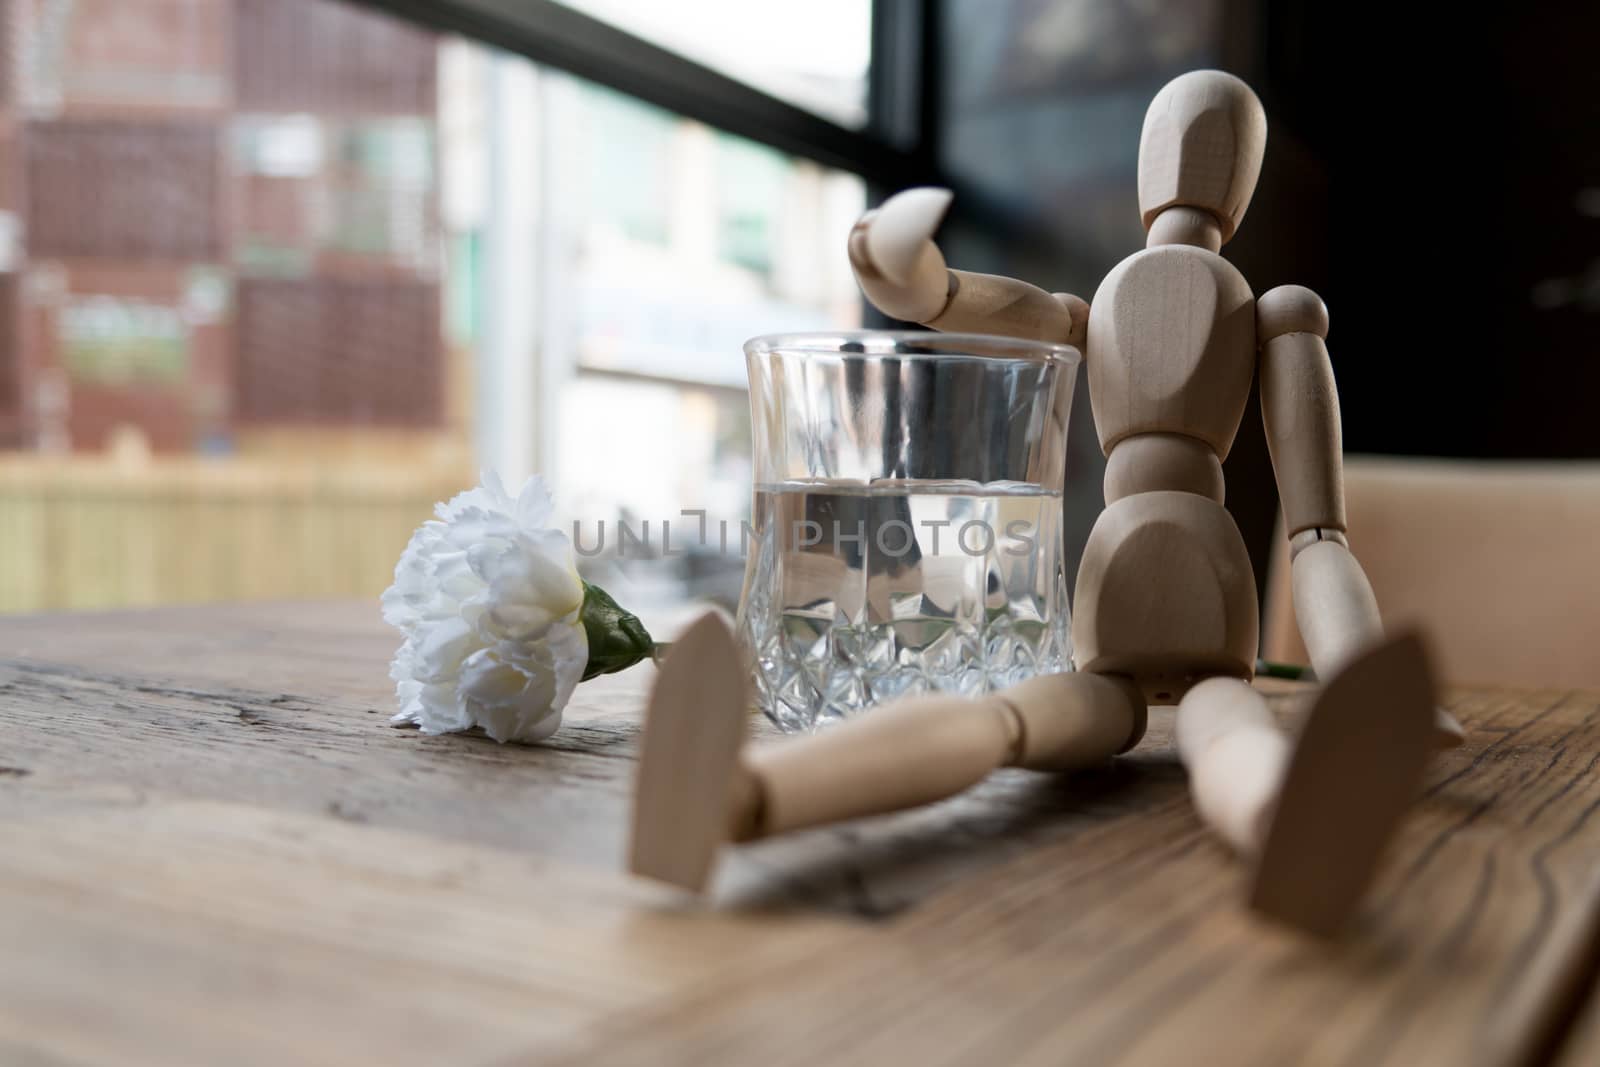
{"x":1295,"y":672}
{"x":617,"y":639}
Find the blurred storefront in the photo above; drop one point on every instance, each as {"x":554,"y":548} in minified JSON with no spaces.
{"x":275,"y":275}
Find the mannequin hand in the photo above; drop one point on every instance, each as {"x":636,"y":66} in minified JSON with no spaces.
{"x":895,"y":260}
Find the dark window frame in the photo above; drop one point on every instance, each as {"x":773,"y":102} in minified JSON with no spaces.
{"x":896,"y":149}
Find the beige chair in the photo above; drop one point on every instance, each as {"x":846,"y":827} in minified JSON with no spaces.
{"x":1499,"y":561}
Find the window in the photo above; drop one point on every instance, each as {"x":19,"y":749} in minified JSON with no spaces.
{"x":814,"y":55}
{"x":656,"y":246}
{"x":275,"y":275}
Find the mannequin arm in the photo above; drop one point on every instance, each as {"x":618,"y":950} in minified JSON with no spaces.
{"x":903,"y":273}
{"x":1333,"y":601}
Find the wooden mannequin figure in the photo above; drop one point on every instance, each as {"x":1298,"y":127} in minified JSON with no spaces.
{"x":1164,"y":610}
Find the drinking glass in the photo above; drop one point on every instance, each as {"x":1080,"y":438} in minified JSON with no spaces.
{"x":906,"y":527}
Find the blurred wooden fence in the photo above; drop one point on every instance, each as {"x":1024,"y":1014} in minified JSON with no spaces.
{"x":97,"y":533}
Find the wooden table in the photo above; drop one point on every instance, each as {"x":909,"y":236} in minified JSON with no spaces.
{"x":214,"y":848}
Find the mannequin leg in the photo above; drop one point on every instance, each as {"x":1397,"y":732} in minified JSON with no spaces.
{"x":901,"y":755}
{"x":1314,"y":815}
{"x":1235,"y":755}
{"x":914,"y":752}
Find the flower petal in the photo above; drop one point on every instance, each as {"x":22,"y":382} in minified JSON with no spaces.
{"x":534,"y":505}
{"x":488,"y":598}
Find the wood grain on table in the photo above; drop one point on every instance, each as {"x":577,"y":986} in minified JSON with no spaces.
{"x":214,"y":848}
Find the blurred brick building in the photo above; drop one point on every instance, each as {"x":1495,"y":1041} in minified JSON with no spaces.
{"x":215,"y":215}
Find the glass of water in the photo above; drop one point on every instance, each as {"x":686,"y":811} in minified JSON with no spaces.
{"x":906,"y":528}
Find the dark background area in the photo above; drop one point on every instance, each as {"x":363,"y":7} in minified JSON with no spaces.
{"x":1433,"y":174}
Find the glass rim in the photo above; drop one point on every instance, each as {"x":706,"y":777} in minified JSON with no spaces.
{"x":988,"y":346}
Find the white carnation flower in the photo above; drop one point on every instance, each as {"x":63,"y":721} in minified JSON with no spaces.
{"x":490,"y":604}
